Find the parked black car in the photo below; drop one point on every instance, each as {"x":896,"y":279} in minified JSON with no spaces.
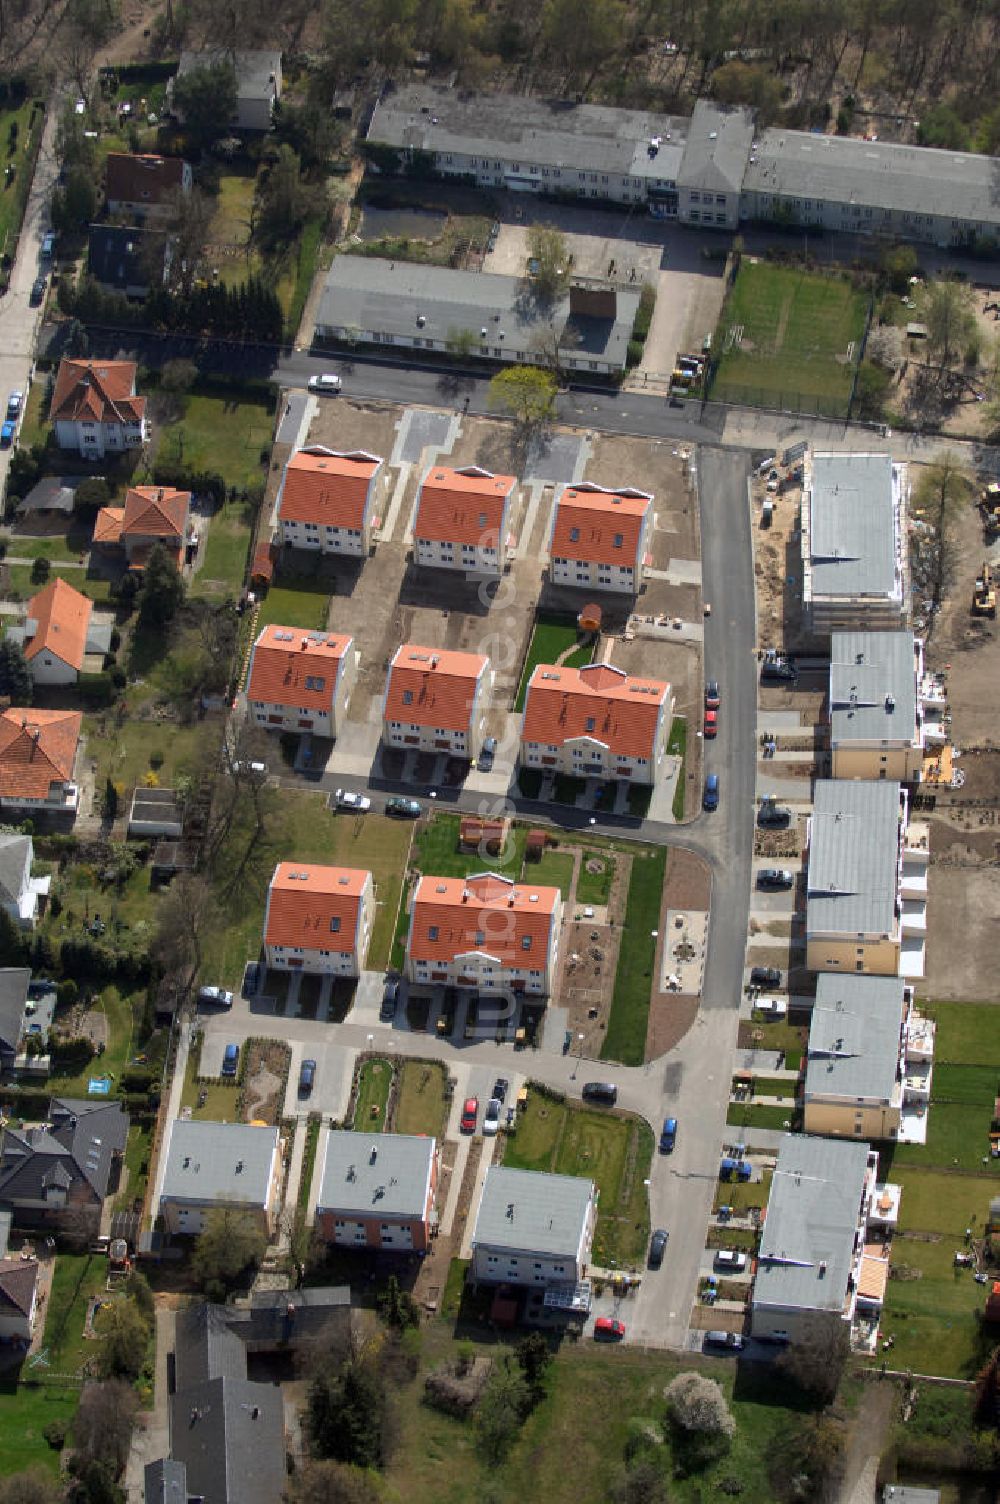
{"x":765,"y":976}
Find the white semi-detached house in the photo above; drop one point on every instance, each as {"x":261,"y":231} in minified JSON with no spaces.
{"x":534,"y":1229}
{"x":596,"y":722}
{"x":600,"y":538}
{"x":95,"y":409}
{"x":301,"y":681}
{"x":462,"y":520}
{"x":327,"y":500}
{"x":485,"y":932}
{"x":219,"y":1165}
{"x":436,"y":700}
{"x":319,"y":919}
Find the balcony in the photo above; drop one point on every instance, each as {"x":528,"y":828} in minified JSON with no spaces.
{"x":884,"y":1210}
{"x":914,"y":916}
{"x":919,"y":1038}
{"x":932,"y":692}
{"x":913,"y":882}
{"x":912,"y":956}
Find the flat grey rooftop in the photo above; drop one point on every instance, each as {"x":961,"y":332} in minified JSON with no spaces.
{"x":854,"y":1037}
{"x":376,"y":1173}
{"x":718,"y":148}
{"x":556,"y":133}
{"x":873,"y":687}
{"x":842,"y":169}
{"x":813,"y":1212}
{"x":853,"y":858}
{"x":531,"y":1210}
{"x":368,"y":293}
{"x":218,"y":1162}
{"x":853,"y":525}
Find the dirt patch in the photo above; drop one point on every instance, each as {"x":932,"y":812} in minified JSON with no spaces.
{"x":688,"y":886}
{"x":267,"y":1063}
{"x":343,"y":424}
{"x":92,"y":1025}
{"x":963,"y":899}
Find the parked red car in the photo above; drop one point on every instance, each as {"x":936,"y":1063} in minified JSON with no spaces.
{"x":470,"y":1114}
{"x":711,"y":724}
{"x":608,"y":1329}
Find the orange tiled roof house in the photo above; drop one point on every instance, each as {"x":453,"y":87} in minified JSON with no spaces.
{"x":151,"y":514}
{"x":596,"y":722}
{"x":600,"y":538}
{"x":95,"y":409}
{"x":463,"y":520}
{"x":37,"y":755}
{"x":436,"y":700}
{"x":319,"y":919}
{"x":57,"y":633}
{"x":327,"y":499}
{"x":301,"y":681}
{"x":486,"y":932}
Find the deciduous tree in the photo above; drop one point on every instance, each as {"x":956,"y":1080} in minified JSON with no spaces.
{"x":549,"y":253}
{"x":328,"y":1482}
{"x":206,"y":100}
{"x":15,"y":681}
{"x":162,"y":589}
{"x":102,"y":1429}
{"x":125,"y":1336}
{"x":526,"y":393}
{"x":947,"y":309}
{"x":231,"y":1243}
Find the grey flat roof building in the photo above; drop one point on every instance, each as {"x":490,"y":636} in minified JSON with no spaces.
{"x":255,"y":70}
{"x":531,"y":1210}
{"x":907,"y":179}
{"x":873,"y":687}
{"x":853,"y":858}
{"x":218,"y":1162}
{"x":369,"y":1174}
{"x":416,"y":304}
{"x":854,"y":1037}
{"x":853,"y":526}
{"x":717,"y":149}
{"x":813,"y":1214}
{"x":554,"y":133}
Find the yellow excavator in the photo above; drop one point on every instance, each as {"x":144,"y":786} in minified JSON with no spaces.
{"x":984,"y":596}
{"x":989,"y":506}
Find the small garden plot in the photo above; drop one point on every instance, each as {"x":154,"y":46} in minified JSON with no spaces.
{"x":265,"y":1074}
{"x":374,"y":1085}
{"x":555,"y":638}
{"x":593,"y":883}
{"x":421,"y":1106}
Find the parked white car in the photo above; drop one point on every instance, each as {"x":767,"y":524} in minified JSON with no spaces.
{"x":326,"y":385}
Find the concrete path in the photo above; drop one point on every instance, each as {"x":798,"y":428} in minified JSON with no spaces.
{"x":151,"y":1433}
{"x":318,"y":1163}
{"x":173,"y":1107}
{"x":485,"y":1160}
{"x":295,"y":1169}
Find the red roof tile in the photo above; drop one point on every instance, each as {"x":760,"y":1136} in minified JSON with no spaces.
{"x":588,"y":522}
{"x":304,"y":901}
{"x":62,"y":617}
{"x":37,"y":749}
{"x":98,"y":391}
{"x":452,"y":916}
{"x":462,"y":506}
{"x":433,"y":687}
{"x":155,"y":511}
{"x":326,"y":487}
{"x":108,"y":525}
{"x":292,"y":667}
{"x":598,"y":701}
{"x":141,"y":178}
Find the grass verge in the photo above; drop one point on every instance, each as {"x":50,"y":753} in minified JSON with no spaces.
{"x":625,"y":1039}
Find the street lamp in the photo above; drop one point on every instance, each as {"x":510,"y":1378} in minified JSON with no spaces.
{"x":579,"y":1056}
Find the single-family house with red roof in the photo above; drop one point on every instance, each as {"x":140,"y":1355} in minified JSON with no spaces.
{"x":596,"y":722}
{"x":142,"y":187}
{"x":37,"y":756}
{"x":95,"y":409}
{"x":151,"y":514}
{"x":301,"y":681}
{"x":319,"y":919}
{"x":487,"y":932}
{"x":327,"y":501}
{"x":436,"y":700}
{"x":462,"y":520}
{"x":600,"y":538}
{"x":57,"y":633}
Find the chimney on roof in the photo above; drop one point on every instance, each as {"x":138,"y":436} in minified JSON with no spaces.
{"x":36,"y":737}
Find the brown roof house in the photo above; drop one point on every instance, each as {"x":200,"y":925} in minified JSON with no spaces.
{"x":57,"y":1174}
{"x":144,"y":187}
{"x":151,"y":514}
{"x":95,"y":409}
{"x":18,"y":1299}
{"x":37,"y":756}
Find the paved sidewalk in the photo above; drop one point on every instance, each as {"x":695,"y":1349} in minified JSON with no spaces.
{"x":151,"y":1434}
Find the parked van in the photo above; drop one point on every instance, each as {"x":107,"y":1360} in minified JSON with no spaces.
{"x":767,"y":514}
{"x":231,"y":1060}
{"x":731,"y":1259}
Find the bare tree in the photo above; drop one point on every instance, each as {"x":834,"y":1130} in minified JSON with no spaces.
{"x":187,"y":916}
{"x":102,"y":1428}
{"x":941,"y":492}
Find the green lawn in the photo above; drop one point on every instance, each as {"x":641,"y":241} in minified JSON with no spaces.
{"x":77,"y":1277}
{"x":973,"y":1085}
{"x":957,"y":1136}
{"x":126,"y":753}
{"x":613,"y":1151}
{"x":436,"y":851}
{"x":137,"y":1164}
{"x":966,"y":1032}
{"x":219,"y":1104}
{"x":373,"y":1093}
{"x":625,"y":1039}
{"x":233,"y":209}
{"x":69,"y":545}
{"x":934,"y":1317}
{"x":12,"y":193}
{"x":741,"y":1197}
{"x":555,"y":870}
{"x":313,"y":1125}
{"x":224,"y":563}
{"x":302,"y":827}
{"x":677,"y":747}
{"x":420,"y":1103}
{"x":224,"y":434}
{"x":295,"y":601}
{"x":120,"y":1010}
{"x":595,"y":887}
{"x":759,"y":1115}
{"x":25,"y":1411}
{"x":572,"y":1445}
{"x":789,"y":338}
{"x":552,"y":636}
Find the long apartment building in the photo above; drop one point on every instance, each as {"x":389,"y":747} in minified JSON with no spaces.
{"x":486,"y":932}
{"x":866,"y":908}
{"x":596,"y":722}
{"x":853,"y":542}
{"x":714,"y":169}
